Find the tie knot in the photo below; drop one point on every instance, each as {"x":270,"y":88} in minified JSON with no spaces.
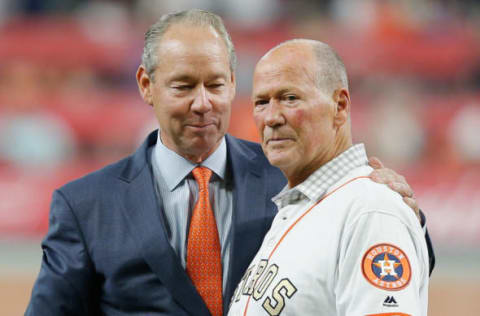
{"x":202,"y":176}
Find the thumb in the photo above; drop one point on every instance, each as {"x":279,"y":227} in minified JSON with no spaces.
{"x":375,"y":163}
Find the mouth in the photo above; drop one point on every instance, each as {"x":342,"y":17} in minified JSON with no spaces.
{"x":278,"y":140}
{"x":200,"y":125}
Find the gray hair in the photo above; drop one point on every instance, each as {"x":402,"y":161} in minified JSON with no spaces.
{"x":194,"y":17}
{"x":331,"y":72}
{"x":331,"y":69}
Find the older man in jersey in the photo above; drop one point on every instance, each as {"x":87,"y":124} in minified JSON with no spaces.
{"x":340,"y":244}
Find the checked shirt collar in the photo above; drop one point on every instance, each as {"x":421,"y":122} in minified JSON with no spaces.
{"x":317,"y":184}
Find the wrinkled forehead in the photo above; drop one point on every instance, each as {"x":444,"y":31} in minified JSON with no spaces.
{"x":287,"y":59}
{"x":191,"y":30}
{"x":277,"y":72}
{"x":189,"y":46}
{"x":191,"y":37}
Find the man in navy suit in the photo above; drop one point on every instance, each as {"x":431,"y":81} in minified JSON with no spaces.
{"x":117,"y":238}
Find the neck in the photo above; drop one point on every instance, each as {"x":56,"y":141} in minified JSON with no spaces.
{"x":196,"y":155}
{"x":298,"y":176}
{"x":197,"y":159}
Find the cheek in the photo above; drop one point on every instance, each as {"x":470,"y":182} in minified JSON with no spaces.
{"x":225,"y":118}
{"x":169,"y":116}
{"x":221,"y":103}
{"x":298,"y":119}
{"x":258,"y":120}
{"x":311,"y":128}
{"x":224,"y":106}
{"x":221,"y":107}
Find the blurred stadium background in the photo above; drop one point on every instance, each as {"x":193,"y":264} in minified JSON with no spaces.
{"x":69,"y":104}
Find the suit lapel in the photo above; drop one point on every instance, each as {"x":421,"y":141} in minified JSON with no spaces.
{"x":143,"y":214}
{"x":250,"y":215}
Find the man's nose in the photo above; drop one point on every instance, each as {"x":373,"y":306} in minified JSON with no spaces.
{"x":201,"y":103}
{"x":274,"y":115}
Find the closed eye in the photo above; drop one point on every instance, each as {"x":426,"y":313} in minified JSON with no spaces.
{"x":260,"y":102}
{"x":183,"y":87}
{"x":215,"y":85}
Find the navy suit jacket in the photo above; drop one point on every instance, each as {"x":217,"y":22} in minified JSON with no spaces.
{"x":107,"y":250}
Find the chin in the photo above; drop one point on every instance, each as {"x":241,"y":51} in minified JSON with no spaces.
{"x":278,"y":160}
{"x":203,"y":144}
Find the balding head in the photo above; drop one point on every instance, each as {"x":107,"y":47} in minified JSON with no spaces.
{"x":330,"y":73}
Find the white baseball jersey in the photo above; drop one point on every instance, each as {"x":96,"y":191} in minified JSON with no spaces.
{"x":350,"y":248}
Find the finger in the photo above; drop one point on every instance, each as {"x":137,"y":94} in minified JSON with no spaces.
{"x":375,"y":163}
{"x":401,"y":188}
{"x":413,"y":205}
{"x":383,"y":175}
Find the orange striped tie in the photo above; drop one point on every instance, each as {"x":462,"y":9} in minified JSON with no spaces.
{"x":204,"y":265}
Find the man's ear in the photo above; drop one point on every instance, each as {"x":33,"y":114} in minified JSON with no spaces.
{"x":234,"y":85}
{"x":144,"y":85}
{"x":342,"y":103}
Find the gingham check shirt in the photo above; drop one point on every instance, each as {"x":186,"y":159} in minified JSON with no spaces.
{"x":317,"y":184}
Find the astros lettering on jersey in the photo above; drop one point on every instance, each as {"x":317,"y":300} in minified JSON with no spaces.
{"x":340,"y":244}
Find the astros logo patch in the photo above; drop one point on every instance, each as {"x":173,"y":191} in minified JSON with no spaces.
{"x":386,"y":267}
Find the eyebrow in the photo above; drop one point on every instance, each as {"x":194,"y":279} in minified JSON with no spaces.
{"x":263,"y":95}
{"x":189,"y":78}
{"x":186,"y":78}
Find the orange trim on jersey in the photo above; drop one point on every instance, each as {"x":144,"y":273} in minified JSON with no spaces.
{"x":389,"y":314}
{"x":308,"y":211}
{"x":298,"y":220}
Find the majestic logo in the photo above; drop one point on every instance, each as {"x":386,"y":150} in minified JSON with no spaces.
{"x":387,"y":267}
{"x":390,"y":302}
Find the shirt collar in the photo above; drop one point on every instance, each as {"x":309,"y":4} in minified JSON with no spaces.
{"x":174,"y":168}
{"x":317,"y":184}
